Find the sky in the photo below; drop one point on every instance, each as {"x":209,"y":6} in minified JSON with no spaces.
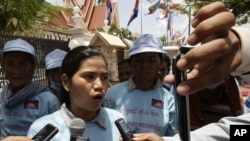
{"x":149,"y":23}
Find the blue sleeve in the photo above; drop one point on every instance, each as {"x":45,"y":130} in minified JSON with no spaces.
{"x":109,"y":100}
{"x":50,"y":101}
{"x":35,"y":128}
{"x":54,"y":104}
{"x":172,"y":128}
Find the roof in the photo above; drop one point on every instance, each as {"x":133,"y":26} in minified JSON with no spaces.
{"x":104,"y":39}
{"x":97,"y":18}
{"x":93,"y":16}
{"x":127,"y":42}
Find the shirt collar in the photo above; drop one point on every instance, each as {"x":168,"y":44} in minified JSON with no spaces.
{"x":132,"y":85}
{"x":100,"y":118}
{"x":68,"y":116}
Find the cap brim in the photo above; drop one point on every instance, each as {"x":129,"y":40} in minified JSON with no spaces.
{"x":35,"y":58}
{"x":53,"y":65}
{"x":145,"y":49}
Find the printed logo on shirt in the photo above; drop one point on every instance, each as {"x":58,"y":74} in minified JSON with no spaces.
{"x":31,"y":104}
{"x":157,"y":103}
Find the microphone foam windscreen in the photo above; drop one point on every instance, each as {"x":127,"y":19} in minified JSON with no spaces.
{"x":77,"y":127}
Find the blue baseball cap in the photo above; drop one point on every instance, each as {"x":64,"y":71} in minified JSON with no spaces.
{"x":20,"y":45}
{"x":54,"y":59}
{"x":146,"y":43}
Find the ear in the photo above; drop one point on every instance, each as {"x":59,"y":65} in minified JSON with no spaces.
{"x":65,"y":82}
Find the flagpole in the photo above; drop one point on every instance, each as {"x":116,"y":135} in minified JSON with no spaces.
{"x":189,"y":19}
{"x":168,"y":30}
{"x":141,"y":17}
{"x":167,"y":35}
{"x":172,"y":25}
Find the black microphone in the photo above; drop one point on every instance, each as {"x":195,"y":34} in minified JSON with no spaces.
{"x":76,"y":129}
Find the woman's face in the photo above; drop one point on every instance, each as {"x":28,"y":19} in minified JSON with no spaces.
{"x":19,"y":69}
{"x":88,"y":85}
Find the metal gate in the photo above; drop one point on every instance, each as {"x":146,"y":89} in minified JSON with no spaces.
{"x":42,"y":47}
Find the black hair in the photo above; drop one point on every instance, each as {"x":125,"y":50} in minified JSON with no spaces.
{"x":167,"y":60}
{"x":72,"y":61}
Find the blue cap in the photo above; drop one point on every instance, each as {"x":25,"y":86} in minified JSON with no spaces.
{"x":20,"y":45}
{"x":54,"y":59}
{"x":146,"y":43}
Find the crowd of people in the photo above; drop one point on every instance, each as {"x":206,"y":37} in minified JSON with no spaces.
{"x":145,"y":103}
{"x":22,"y":101}
{"x":78,"y":85}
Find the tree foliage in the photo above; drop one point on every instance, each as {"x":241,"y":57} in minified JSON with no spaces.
{"x":24,"y":16}
{"x":101,"y":1}
{"x":120,"y":32}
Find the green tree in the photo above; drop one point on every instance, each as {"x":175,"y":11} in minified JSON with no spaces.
{"x":163,"y":40}
{"x":25,"y":16}
{"x":120,"y":32}
{"x":101,"y":1}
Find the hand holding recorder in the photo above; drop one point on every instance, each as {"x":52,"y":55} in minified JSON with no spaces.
{"x":219,"y":50}
{"x":46,"y":133}
{"x":124,"y":130}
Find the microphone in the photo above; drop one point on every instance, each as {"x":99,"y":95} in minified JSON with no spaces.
{"x":76,"y":129}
